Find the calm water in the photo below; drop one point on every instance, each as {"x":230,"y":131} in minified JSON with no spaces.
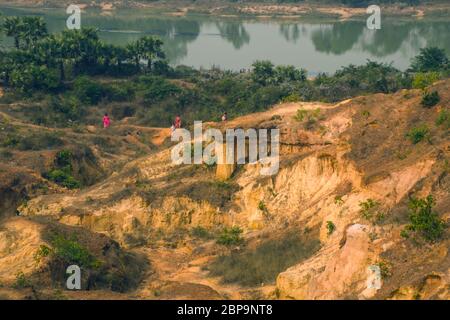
{"x":233,"y":43}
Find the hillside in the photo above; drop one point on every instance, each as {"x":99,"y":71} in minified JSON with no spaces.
{"x":149,"y":229}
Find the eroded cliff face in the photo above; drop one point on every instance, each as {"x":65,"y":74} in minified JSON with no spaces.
{"x":354,"y":152}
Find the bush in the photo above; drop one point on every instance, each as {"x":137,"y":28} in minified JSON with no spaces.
{"x":64,"y":109}
{"x":263,"y":264}
{"x":38,"y":141}
{"x":422,"y":80}
{"x":230,"y":236}
{"x":330,"y":227}
{"x":157,"y":88}
{"x":31,"y":77}
{"x":88,"y":91}
{"x":430,"y":59}
{"x":70,"y":251}
{"x":430,"y":99}
{"x":22,"y":281}
{"x":200,"y":232}
{"x":443,"y":118}
{"x":423,"y":220}
{"x":417,"y":134}
{"x":370,"y":210}
{"x":119,"y":92}
{"x":63,"y":178}
{"x":63,"y":158}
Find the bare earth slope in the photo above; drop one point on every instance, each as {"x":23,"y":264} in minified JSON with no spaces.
{"x":335,"y":158}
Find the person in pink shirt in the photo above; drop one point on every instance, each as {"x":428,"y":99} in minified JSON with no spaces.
{"x":177,"y":122}
{"x":106,"y":121}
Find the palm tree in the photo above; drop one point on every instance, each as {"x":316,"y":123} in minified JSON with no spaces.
{"x":151,"y":50}
{"x":32,"y":29}
{"x":13,"y":28}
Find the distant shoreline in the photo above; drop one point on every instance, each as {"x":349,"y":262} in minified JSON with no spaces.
{"x":252,"y":10}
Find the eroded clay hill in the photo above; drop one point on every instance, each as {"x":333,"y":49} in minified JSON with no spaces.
{"x":347,"y":173}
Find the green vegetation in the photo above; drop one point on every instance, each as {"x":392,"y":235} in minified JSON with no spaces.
{"x":424,"y":221}
{"x":62,"y":172}
{"x":443,"y":119}
{"x":262,"y":206}
{"x":36,"y":141}
{"x":430,"y":99}
{"x":371,"y":210}
{"x":230,"y":236}
{"x":330,"y":227}
{"x":417,"y":134}
{"x":70,"y":251}
{"x":430,"y":59}
{"x":422,"y":80}
{"x":69,"y":72}
{"x":309,"y":117}
{"x":338,"y":200}
{"x":43,"y":252}
{"x":201,"y":232}
{"x":385,"y":269}
{"x":22,"y":281}
{"x":265,"y":262}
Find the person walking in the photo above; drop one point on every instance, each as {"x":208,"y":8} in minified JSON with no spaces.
{"x":106,"y":121}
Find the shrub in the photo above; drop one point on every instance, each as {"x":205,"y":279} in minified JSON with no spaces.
{"x":422,"y":80}
{"x":430,"y":99}
{"x":310,"y":117}
{"x":200,"y":232}
{"x":417,"y":134}
{"x":22,"y":281}
{"x":263,"y":264}
{"x":230,"y":236}
{"x":370,"y":210}
{"x":31,"y":77}
{"x":423,"y":220}
{"x":63,"y":178}
{"x":88,"y":91}
{"x":443,"y":118}
{"x":70,"y":251}
{"x":62,"y":110}
{"x":63,"y":158}
{"x":330,"y":227}
{"x":119,"y":92}
{"x":338,"y":200}
{"x":39,"y":141}
{"x":42,"y":252}
{"x":430,"y":59}
{"x":157,"y":88}
{"x":385,"y":269}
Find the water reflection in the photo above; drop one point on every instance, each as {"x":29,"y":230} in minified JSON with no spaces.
{"x":337,"y":38}
{"x":236,"y":43}
{"x":233,"y":32}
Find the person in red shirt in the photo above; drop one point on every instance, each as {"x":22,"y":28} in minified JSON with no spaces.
{"x":177,"y":122}
{"x":106,"y":121}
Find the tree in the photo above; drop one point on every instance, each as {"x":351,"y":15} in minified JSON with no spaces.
{"x":12,"y":27}
{"x":32,"y":29}
{"x":81,"y":47}
{"x":430,"y":59}
{"x":146,"y":48}
{"x":151,"y":50}
{"x":262,"y":72}
{"x":50,"y":51}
